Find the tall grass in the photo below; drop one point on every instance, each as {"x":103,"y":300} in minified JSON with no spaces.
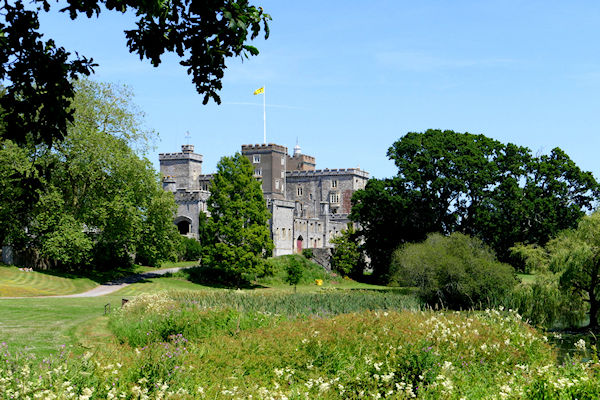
{"x":202,"y":314}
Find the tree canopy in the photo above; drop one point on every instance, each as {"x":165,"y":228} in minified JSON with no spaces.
{"x":38,"y":74}
{"x":238,"y":239}
{"x":461,"y":182}
{"x":97,"y":202}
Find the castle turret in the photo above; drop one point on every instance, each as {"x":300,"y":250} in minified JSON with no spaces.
{"x":183,"y":168}
{"x":297,"y":150}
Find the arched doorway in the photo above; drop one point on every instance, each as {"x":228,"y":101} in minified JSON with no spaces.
{"x":299,"y":242}
{"x":184,"y":225}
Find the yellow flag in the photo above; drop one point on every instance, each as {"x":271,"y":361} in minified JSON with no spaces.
{"x":259,"y":91}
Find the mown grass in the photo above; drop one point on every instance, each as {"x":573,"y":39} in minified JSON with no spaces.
{"x":43,"y":325}
{"x":527,"y":278}
{"x":153,"y":285}
{"x":17,"y":283}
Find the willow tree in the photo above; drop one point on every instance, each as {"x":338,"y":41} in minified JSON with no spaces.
{"x":575,"y":257}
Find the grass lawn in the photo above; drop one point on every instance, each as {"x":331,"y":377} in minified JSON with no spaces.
{"x":527,"y":278}
{"x":157,"y":284}
{"x":16,"y":283}
{"x":43,"y":325}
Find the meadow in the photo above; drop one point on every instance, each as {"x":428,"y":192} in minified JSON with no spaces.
{"x":176,"y":339}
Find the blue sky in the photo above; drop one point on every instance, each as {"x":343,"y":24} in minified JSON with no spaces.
{"x":348,"y":78}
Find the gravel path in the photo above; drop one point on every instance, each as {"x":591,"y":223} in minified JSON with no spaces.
{"x":113,"y":286}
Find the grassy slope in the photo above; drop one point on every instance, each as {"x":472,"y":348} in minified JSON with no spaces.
{"x":43,"y":325}
{"x":16,"y":283}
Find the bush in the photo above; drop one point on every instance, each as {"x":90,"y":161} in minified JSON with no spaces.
{"x":190,"y":249}
{"x":455,"y":271}
{"x":308,"y":253}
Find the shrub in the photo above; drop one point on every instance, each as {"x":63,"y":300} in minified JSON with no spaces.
{"x":455,"y":271}
{"x":189,"y":249}
{"x":308,"y":253}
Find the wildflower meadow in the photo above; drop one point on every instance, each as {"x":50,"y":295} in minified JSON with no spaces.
{"x":358,"y":345}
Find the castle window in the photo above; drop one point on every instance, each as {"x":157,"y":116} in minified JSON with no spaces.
{"x":334,"y":197}
{"x":282,"y":161}
{"x":282,"y":174}
{"x":256,"y":158}
{"x":334,"y":183}
{"x":299,"y":190}
{"x":258,"y":172}
{"x":276,"y":184}
{"x":310,"y":196}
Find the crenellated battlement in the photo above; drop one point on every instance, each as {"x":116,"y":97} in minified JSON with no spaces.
{"x":329,"y":172}
{"x":179,"y":156}
{"x":264,"y":147}
{"x":304,"y":158}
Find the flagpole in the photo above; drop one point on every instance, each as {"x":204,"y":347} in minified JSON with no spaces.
{"x":264,"y":114}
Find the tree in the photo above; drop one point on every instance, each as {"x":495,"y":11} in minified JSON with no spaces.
{"x":575,"y":258}
{"x":39,"y":74}
{"x":294,"y":272}
{"x":346,"y":257}
{"x":455,"y":271}
{"x":459,"y":182}
{"x":239,"y":237}
{"x":98,"y":202}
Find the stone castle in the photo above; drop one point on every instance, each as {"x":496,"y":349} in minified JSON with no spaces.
{"x":309,"y":207}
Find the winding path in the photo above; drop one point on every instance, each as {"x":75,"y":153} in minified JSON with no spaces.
{"x":110,"y":287}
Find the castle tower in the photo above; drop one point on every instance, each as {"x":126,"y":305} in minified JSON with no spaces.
{"x":299,"y":161}
{"x":181,"y":170}
{"x":269,"y":161}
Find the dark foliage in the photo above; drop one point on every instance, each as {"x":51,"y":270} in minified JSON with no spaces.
{"x":460,"y":182}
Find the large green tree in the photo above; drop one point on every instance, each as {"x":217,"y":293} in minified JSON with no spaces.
{"x":98,"y":202}
{"x":38,"y":74}
{"x":239,"y":240}
{"x":449,"y":181}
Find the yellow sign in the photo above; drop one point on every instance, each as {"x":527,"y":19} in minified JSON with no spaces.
{"x":259,"y":91}
{"x":319,"y":282}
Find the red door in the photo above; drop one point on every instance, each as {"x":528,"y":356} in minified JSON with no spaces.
{"x":299,"y":245}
